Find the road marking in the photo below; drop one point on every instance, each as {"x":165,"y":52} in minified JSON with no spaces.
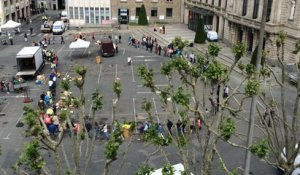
{"x":236,"y":100}
{"x":134,"y":113}
{"x":99,"y":75}
{"x":84,"y":52}
{"x":7,"y":137}
{"x":132,"y":73}
{"x":124,"y":51}
{"x":18,"y":96}
{"x":116,"y":74}
{"x":158,"y":85}
{"x":146,"y":60}
{"x":129,"y":114}
{"x":5,"y":107}
{"x":61,"y":49}
{"x":142,"y":56}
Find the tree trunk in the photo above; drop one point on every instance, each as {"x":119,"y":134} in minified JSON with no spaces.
{"x":254,"y":97}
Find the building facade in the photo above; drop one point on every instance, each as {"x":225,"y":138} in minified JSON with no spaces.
{"x":88,"y":12}
{"x":240,"y":20}
{"x":47,"y":4}
{"x":15,"y":10}
{"x":127,"y":11}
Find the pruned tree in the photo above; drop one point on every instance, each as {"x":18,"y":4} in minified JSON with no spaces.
{"x":279,"y":125}
{"x":177,"y":101}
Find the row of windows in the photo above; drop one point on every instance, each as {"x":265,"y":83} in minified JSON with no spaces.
{"x":213,"y":2}
{"x":154,"y":12}
{"x":142,"y":0}
{"x":256,"y":8}
{"x":91,"y":15}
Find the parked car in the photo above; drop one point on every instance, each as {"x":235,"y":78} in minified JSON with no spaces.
{"x":292,"y":73}
{"x":107,"y":47}
{"x":58,"y":27}
{"x":296,"y":162}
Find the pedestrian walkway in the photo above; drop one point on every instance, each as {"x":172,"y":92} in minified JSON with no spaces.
{"x":172,"y":30}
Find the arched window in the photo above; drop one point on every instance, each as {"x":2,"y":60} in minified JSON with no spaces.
{"x":269,"y":9}
{"x":255,"y":9}
{"x":245,"y":4}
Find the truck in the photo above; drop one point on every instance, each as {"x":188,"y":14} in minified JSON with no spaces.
{"x":30,"y":61}
{"x":47,"y":27}
{"x":58,"y":27}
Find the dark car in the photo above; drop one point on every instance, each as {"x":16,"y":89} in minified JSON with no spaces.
{"x":107,"y":47}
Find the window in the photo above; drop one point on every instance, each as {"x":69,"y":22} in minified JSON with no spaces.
{"x":86,"y":15}
{"x":137,"y":11}
{"x":212,"y":2}
{"x":102,"y":13}
{"x":107,"y":13}
{"x":219,"y":4}
{"x":97,"y":17}
{"x":154,"y":11}
{"x":255,"y":9}
{"x":169,"y":0}
{"x":81,"y":16}
{"x":169,"y":12}
{"x":76,"y":12}
{"x":71,"y":12}
{"x":244,"y":11}
{"x":92,"y":13}
{"x":269,"y":9}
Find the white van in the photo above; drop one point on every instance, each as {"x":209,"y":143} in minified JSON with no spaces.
{"x":64,"y":16}
{"x":58,"y":27}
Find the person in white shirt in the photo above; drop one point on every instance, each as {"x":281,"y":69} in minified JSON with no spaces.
{"x":105,"y":132}
{"x":129,"y":60}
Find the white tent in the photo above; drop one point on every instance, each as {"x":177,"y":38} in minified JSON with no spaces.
{"x":10,"y":25}
{"x":80,"y":44}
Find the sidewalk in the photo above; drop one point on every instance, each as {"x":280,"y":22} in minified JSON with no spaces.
{"x":172,"y":30}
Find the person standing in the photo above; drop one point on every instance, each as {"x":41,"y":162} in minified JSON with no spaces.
{"x":159,"y":50}
{"x":170,"y":125}
{"x":25,"y":37}
{"x":120,"y":37}
{"x":62,"y":40}
{"x":105,"y":132}
{"x":11,"y":40}
{"x":164,"y":29}
{"x":31,"y":30}
{"x":179,"y":127}
{"x":226,"y":91}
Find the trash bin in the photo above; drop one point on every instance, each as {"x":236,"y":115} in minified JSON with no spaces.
{"x":126,"y":130}
{"x":98,"y":59}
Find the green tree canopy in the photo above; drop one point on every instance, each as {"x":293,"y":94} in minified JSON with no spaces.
{"x":200,"y":33}
{"x":143,"y":16}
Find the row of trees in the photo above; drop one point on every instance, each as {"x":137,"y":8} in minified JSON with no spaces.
{"x":197,"y":80}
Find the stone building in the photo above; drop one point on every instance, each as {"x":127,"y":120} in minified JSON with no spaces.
{"x":239,"y":20}
{"x":126,"y":11}
{"x":14,"y":10}
{"x":88,"y":12}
